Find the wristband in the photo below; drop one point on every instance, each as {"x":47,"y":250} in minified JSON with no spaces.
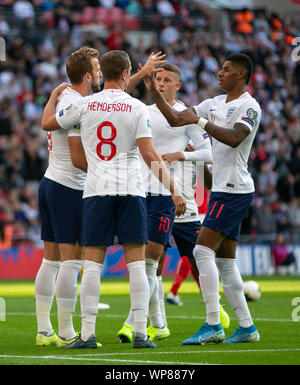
{"x":202,"y":122}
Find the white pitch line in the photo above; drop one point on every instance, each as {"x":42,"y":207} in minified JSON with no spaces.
{"x":97,"y":357}
{"x":197,"y":352}
{"x":87,"y":358}
{"x":102,"y":315}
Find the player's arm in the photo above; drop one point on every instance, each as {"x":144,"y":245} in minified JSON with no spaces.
{"x":231,"y":137}
{"x":207,"y":178}
{"x":174,"y":117}
{"x":149,"y":67}
{"x":207,"y":173}
{"x":66,"y":118}
{"x":200,"y":151}
{"x":77,"y":153}
{"x":198,"y":155}
{"x":157,"y":166}
{"x":49,"y":122}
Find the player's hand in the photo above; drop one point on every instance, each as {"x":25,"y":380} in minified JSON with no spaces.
{"x":180,"y":205}
{"x":154,"y":59}
{"x":188,"y":116}
{"x":149,"y":82}
{"x":60,"y":88}
{"x":189,"y":148}
{"x":173,"y":157}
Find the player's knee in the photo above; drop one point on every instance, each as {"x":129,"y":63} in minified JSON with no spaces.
{"x":154,"y":251}
{"x":202,"y":253}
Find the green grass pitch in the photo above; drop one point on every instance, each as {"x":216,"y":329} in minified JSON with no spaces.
{"x":276,"y":315}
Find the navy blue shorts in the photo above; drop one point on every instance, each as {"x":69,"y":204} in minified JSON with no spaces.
{"x":226,"y":212}
{"x":60,"y":210}
{"x":185,"y":235}
{"x":105,"y":217}
{"x":160,"y":218}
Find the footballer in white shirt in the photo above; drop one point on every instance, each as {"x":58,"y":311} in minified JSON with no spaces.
{"x":160,"y":208}
{"x":60,"y":208}
{"x":232,"y":121}
{"x":114,"y":128}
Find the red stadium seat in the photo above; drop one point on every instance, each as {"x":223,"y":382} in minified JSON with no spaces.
{"x":87,"y":15}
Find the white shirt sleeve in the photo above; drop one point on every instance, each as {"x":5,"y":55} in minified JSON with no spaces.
{"x":69,"y":117}
{"x":202,"y":145}
{"x":203,"y":108}
{"x":75,"y":131}
{"x":249,"y":114}
{"x":143,"y":122}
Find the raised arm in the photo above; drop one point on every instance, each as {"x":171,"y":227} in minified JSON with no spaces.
{"x":173,"y":116}
{"x":231,"y":137}
{"x":149,"y":67}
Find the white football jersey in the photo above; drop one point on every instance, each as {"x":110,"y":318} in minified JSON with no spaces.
{"x":110,"y":123}
{"x":60,"y":168}
{"x":230,"y":165}
{"x":186,"y":180}
{"x":169,"y":139}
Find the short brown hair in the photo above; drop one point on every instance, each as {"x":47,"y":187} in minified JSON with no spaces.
{"x":79,"y":63}
{"x":171,"y":68}
{"x":113,"y":63}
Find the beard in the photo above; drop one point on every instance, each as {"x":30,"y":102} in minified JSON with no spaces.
{"x":96,"y":88}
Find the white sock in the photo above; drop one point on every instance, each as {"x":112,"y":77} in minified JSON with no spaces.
{"x":232,"y":284}
{"x":44,"y":293}
{"x":89,"y":297}
{"x":151,"y":270}
{"x":139,"y":296}
{"x":66,"y":296}
{"x":209,"y":282}
{"x":161,"y":295}
{"x":129,"y":319}
{"x":154,"y":308}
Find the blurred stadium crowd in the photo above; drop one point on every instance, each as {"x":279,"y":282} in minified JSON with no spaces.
{"x":41,"y":34}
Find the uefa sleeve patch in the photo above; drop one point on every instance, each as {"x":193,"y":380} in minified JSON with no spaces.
{"x":205,"y":135}
{"x":251,"y":114}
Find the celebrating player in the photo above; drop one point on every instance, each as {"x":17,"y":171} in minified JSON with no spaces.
{"x":185,"y":230}
{"x":232,"y":121}
{"x":113,"y":127}
{"x":60,"y":205}
{"x":160,"y":208}
{"x":60,"y":199}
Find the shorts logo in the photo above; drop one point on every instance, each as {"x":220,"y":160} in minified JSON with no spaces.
{"x":67,"y":108}
{"x":61,"y":112}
